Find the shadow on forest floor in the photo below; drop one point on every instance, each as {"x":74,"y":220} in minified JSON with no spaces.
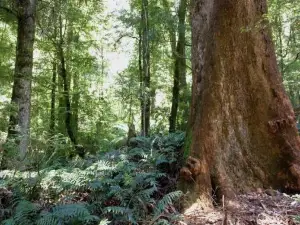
{"x":261,"y":208}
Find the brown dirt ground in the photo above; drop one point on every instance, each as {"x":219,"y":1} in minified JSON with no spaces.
{"x":267,"y":207}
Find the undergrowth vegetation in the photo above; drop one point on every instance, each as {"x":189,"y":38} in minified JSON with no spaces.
{"x":135,"y":184}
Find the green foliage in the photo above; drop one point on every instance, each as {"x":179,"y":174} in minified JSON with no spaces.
{"x":28,"y":213}
{"x":166,"y":201}
{"x":71,"y":214}
{"x":131,"y":185}
{"x":284,"y":18}
{"x":24,"y":213}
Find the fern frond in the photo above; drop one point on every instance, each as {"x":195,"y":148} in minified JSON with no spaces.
{"x":104,"y":222}
{"x":70,"y":210}
{"x":166,"y":201}
{"x":162,"y":222}
{"x":48,"y":219}
{"x":9,"y":222}
{"x":117,"y":210}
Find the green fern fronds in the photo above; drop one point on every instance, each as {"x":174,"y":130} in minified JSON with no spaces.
{"x":25,"y":213}
{"x":9,"y":222}
{"x":117,"y":210}
{"x":68,"y":214}
{"x":167,"y":200}
{"x":162,"y":222}
{"x":48,"y":219}
{"x":126,"y":213}
{"x":104,"y":222}
{"x":70,"y":210}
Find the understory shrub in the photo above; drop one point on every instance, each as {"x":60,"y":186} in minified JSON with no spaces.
{"x":131,"y":185}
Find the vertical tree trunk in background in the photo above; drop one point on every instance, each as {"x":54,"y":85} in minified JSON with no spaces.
{"x":146,"y":103}
{"x":243,"y":134}
{"x":141,"y":75}
{"x":53,"y":98}
{"x":66,"y":92}
{"x":75,"y":103}
{"x":179,"y":84}
{"x":73,"y":78}
{"x":184,"y":95}
{"x":19,"y":122}
{"x":54,"y":75}
{"x":61,"y":128}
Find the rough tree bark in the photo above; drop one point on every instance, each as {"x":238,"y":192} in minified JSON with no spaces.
{"x":19,"y":122}
{"x":243,"y":134}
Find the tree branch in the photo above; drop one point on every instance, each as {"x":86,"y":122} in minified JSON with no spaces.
{"x":8,"y":10}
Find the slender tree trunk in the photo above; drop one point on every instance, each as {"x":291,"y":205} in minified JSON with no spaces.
{"x":141,"y":76}
{"x":19,"y":122}
{"x":179,"y":84}
{"x":146,"y":102}
{"x":243,"y":134}
{"x":74,"y":80}
{"x":53,"y":98}
{"x":66,"y":92}
{"x":75,"y":103}
{"x":54,"y":75}
{"x":61,"y":127}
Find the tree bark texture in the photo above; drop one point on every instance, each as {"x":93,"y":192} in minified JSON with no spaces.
{"x":19,"y":122}
{"x":243,"y":134}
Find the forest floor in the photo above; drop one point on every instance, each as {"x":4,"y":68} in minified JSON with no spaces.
{"x":260,"y":208}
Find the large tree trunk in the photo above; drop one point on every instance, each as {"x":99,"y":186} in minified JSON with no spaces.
{"x":243,"y":134}
{"x":19,"y":122}
{"x":179,"y":84}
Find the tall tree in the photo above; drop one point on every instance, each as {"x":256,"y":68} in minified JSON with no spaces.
{"x":145,"y":102}
{"x":53,"y":98}
{"x":19,"y":122}
{"x":66,"y":92}
{"x":285,"y":21}
{"x":179,"y":85}
{"x":243,"y":134}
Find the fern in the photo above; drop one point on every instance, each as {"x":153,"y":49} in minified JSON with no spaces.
{"x":116,"y":210}
{"x":68,"y":215}
{"x":162,"y":222}
{"x":104,"y":222}
{"x":48,"y":219}
{"x":126,"y":213}
{"x":126,"y":188}
{"x":25,"y":213}
{"x":166,"y":201}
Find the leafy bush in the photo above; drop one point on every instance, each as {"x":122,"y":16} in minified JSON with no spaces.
{"x":28,"y":213}
{"x":132,"y":185}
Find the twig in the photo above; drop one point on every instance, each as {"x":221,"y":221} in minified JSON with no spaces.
{"x":265,"y":208}
{"x":8,"y":10}
{"x":224,"y":222}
